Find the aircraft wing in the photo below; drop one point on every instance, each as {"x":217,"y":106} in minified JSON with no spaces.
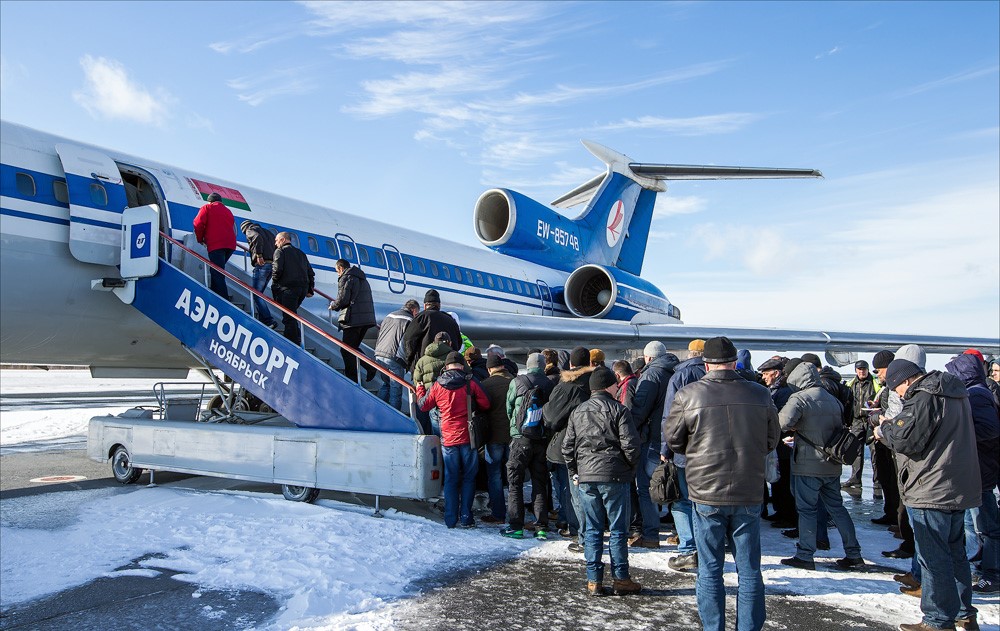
{"x":536,"y":331}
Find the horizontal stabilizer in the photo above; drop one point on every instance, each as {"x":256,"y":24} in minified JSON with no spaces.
{"x":708,"y":172}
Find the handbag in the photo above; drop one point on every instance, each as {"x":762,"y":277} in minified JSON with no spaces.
{"x":479,"y":426}
{"x":844,"y":446}
{"x":771,"y":472}
{"x":664,"y":487}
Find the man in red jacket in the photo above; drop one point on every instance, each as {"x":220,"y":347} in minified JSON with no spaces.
{"x":215,"y":228}
{"x":450,"y":394}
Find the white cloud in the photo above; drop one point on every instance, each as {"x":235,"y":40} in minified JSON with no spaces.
{"x":257,"y":89}
{"x":667,"y":205}
{"x":109,"y":93}
{"x":958,"y":77}
{"x":691,"y":126}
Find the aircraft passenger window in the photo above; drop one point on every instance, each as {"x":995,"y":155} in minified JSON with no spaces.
{"x":98,"y":195}
{"x":434,"y":269}
{"x":420,"y":266}
{"x":25,"y":184}
{"x":394,"y":261}
{"x":446,"y":272}
{"x":468,"y":277}
{"x":380,"y":258}
{"x":510,"y":287}
{"x":294,"y":239}
{"x":408,"y":262}
{"x":347,"y":252}
{"x":60,"y":191}
{"x":313,"y":244}
{"x":489,"y":279}
{"x":363,"y":254}
{"x":332,"y":248}
{"x":518,"y":287}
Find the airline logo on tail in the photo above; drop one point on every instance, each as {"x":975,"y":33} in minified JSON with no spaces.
{"x":614,"y":225}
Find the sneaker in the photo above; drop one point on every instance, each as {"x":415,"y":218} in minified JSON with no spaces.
{"x":848,"y":563}
{"x":575,"y":547}
{"x":541,"y":534}
{"x":594,"y":588}
{"x":970,"y":623}
{"x":906,"y":579}
{"x":566,"y":532}
{"x":490,"y":519}
{"x":683,"y":562}
{"x":802,"y":564}
{"x":510,"y":533}
{"x":986,"y":586}
{"x":625,"y":586}
{"x":885,"y":520}
{"x":910,"y":591}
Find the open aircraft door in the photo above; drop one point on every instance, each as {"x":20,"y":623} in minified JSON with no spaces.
{"x":546,"y":297}
{"x":96,"y":201}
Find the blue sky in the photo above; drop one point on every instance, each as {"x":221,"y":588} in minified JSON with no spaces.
{"x":407,"y":112}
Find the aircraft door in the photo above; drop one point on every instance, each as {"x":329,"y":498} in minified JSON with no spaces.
{"x":96,"y":201}
{"x":348,"y":248}
{"x":546,"y":297}
{"x":394,"y":269}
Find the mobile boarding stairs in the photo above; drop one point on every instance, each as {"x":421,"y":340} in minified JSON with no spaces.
{"x":315,"y":429}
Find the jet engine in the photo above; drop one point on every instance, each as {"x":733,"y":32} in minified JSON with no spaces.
{"x":596,"y":291}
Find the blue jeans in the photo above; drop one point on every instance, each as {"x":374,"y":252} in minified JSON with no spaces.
{"x":650,"y":516}
{"x":575,"y":494}
{"x":681,"y":510}
{"x":496,"y":476}
{"x":809,"y":492}
{"x":946,"y":581}
{"x":261,"y":277}
{"x":461,"y":463}
{"x":217,"y":281}
{"x":391,"y":391}
{"x":713,"y":526}
{"x":606,"y":501}
{"x":987,"y":520}
{"x":567,"y":507}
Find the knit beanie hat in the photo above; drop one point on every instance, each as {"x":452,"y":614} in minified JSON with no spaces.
{"x":882,"y":359}
{"x":596,"y":355}
{"x":913,"y":353}
{"x":454,"y":357}
{"x":720,"y":350}
{"x":654,"y":349}
{"x":535,"y":360}
{"x":493,"y":361}
{"x":432,"y":296}
{"x":899,"y":371}
{"x":601,"y":378}
{"x":813,"y":359}
{"x":790,"y":365}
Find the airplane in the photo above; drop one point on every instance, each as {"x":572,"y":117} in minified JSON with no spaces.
{"x":545,"y":280}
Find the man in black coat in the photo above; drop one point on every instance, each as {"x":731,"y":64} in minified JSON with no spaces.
{"x":428,"y":323}
{"x":292,"y":281}
{"x":357,"y":314}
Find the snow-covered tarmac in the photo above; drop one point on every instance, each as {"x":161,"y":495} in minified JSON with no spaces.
{"x":330,"y":565}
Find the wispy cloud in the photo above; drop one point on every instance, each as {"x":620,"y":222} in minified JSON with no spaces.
{"x":691,"y":126}
{"x":958,"y":77}
{"x":828,"y":53}
{"x":667,"y":205}
{"x":257,"y":89}
{"x":110,"y":93}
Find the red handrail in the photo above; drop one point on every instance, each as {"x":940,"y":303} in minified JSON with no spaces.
{"x":352,"y":350}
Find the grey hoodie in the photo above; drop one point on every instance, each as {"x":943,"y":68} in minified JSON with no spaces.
{"x":814,"y":413}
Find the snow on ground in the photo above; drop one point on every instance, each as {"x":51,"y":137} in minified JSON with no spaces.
{"x":331,"y":563}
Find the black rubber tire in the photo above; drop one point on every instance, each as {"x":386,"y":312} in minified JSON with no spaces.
{"x":299,"y":493}
{"x":267,"y":409}
{"x":215,"y":403}
{"x":121,"y":466}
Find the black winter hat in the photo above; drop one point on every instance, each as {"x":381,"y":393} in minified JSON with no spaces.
{"x":493,"y":361}
{"x":579,"y":357}
{"x":861,"y":364}
{"x":790,"y":366}
{"x":454,"y":357}
{"x":813,"y":359}
{"x":771,"y":364}
{"x":899,"y":371}
{"x":601,"y":378}
{"x":719,"y":350}
{"x":882,"y":359}
{"x":432,"y":296}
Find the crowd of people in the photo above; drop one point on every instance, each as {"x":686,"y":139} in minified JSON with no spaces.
{"x":589,"y":437}
{"x":589,"y":433}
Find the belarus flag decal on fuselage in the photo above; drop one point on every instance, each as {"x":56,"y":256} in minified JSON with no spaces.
{"x":230,"y":196}
{"x":614,"y":227}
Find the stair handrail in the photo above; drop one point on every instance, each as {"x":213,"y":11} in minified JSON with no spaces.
{"x":353,"y":351}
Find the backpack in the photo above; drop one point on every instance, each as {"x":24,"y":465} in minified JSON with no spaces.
{"x":844,"y":446}
{"x":529,"y":412}
{"x":664,"y":485}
